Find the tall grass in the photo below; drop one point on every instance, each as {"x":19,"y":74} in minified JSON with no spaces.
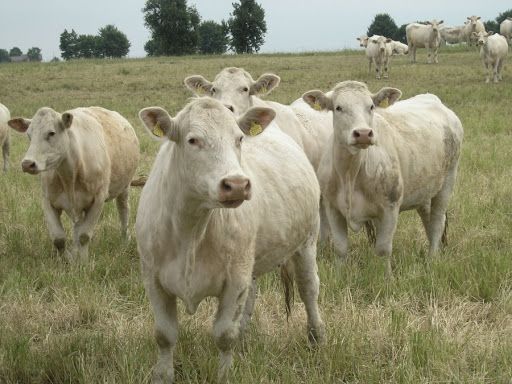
{"x":445,"y":320}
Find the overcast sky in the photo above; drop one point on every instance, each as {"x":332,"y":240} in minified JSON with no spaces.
{"x":292,"y":25}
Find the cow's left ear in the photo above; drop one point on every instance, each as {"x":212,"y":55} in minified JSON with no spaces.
{"x":441,"y":22}
{"x":198,"y":84}
{"x":489,"y":33}
{"x":159,"y":123}
{"x":386,"y":96}
{"x":388,"y":40}
{"x":265,"y":84}
{"x":318,"y":100}
{"x":67,"y":119}
{"x":19,"y":124}
{"x":255,"y":120}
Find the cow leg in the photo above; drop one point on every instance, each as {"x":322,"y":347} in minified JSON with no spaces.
{"x":500,"y":67}
{"x":370,"y":66}
{"x":226,"y":326}
{"x":308,"y":284}
{"x":486,"y":66}
{"x":124,"y":211}
{"x":412,"y":53}
{"x":339,"y":230}
{"x":386,"y":69}
{"x":495,"y":70}
{"x":5,"y":152}
{"x":436,"y":60}
{"x":166,"y":331}
{"x":83,"y":228}
{"x":57,"y":233}
{"x":424,"y":213}
{"x":249,"y":307}
{"x":429,"y":54}
{"x":324,"y":223}
{"x":385,"y":227}
{"x":377,"y":71}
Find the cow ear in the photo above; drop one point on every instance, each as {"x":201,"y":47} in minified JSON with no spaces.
{"x":388,"y":40}
{"x":489,"y":33}
{"x":255,"y":120}
{"x":478,"y":18}
{"x":318,"y":100}
{"x":158,"y":123}
{"x":474,"y":34}
{"x":265,"y":84}
{"x":19,"y":124}
{"x":386,"y":96}
{"x":198,"y":85}
{"x":441,"y":22}
{"x":67,"y":119}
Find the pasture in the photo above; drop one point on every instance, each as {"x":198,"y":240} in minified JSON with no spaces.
{"x":441,"y":320}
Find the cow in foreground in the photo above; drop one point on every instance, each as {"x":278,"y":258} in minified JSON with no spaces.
{"x":383,"y":161}
{"x":5,"y":116}
{"x":379,"y":51}
{"x":223,"y":204}
{"x":506,"y":29}
{"x":424,"y":36}
{"x":493,"y":51}
{"x":473,"y":25}
{"x":85,"y":156}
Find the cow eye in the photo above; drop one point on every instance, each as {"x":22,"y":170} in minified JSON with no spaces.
{"x":372,"y":107}
{"x":192,"y":141}
{"x":245,"y":89}
{"x":51,"y":134}
{"x":339,"y":109}
{"x":240,"y":139}
{"x":213,"y":90}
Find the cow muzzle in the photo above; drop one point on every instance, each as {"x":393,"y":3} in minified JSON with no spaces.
{"x":363,"y":138}
{"x":233,"y":191}
{"x":29,"y":166}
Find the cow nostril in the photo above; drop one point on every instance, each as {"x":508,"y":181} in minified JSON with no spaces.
{"x":225,"y":186}
{"x":230,"y":107}
{"x":356,"y":134}
{"x":247,"y":186}
{"x":370,"y":134}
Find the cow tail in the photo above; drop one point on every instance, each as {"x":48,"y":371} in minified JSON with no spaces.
{"x":370,"y":232}
{"x":287,"y":275}
{"x":444,"y":237}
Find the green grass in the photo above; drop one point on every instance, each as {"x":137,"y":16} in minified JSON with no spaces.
{"x":445,"y":320}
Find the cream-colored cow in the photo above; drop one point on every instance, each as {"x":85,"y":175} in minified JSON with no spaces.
{"x":379,"y":51}
{"x":192,"y":241}
{"x":398,"y":48}
{"x":493,"y":51}
{"x":383,"y":161}
{"x":424,"y":36}
{"x":506,"y":29}
{"x":4,"y":134}
{"x":85,"y":156}
{"x":473,"y":25}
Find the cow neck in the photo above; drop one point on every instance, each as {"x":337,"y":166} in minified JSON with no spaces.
{"x":67,"y":172}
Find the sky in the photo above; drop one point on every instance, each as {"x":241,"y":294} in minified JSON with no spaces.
{"x":292,"y":25}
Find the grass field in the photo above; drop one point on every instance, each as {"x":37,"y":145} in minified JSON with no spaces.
{"x":445,"y":320}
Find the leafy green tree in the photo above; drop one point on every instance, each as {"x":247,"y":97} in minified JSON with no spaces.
{"x":34,"y":54}
{"x":213,"y":37}
{"x":114,"y":43}
{"x":383,"y":25}
{"x":173,"y":26}
{"x":400,"y":34}
{"x":502,"y":16}
{"x":4,"y":56}
{"x":15,"y":51}
{"x":247,"y":26}
{"x":68,"y":44}
{"x":89,"y":46}
{"x":491,"y":25}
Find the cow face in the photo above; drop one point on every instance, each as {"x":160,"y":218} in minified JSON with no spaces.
{"x":208,"y":148}
{"x":363,"y":41}
{"x":436,"y":25}
{"x":473,"y":21}
{"x":380,"y":42}
{"x":233,"y":87}
{"x":353,"y":109}
{"x":481,"y":37}
{"x":49,"y":140}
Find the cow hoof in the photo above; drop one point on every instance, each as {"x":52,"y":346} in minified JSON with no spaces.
{"x":162,"y":378}
{"x":316,"y":335}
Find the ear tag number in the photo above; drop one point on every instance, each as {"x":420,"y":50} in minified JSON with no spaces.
{"x":157,"y":130}
{"x":255,"y":129}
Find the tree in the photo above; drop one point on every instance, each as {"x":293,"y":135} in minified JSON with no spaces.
{"x":491,"y":25}
{"x":114,"y":43}
{"x":4,"y":56}
{"x":213,"y":37}
{"x":400,"y":34}
{"x":173,"y":26}
{"x":89,"y":46}
{"x":34,"y":54}
{"x":247,"y":26}
{"x":502,"y":16}
{"x":15,"y":51}
{"x":68,"y":44}
{"x":383,"y":25}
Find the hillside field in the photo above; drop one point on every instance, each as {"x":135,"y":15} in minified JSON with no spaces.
{"x":441,"y":320}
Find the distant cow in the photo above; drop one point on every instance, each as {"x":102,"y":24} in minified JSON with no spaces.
{"x":383,"y":161}
{"x":398,"y":48}
{"x":363,"y":41}
{"x":452,"y":35}
{"x":493,"y":51}
{"x":4,"y":134}
{"x":85,"y":156}
{"x":424,"y":36}
{"x":473,"y":25}
{"x":378,"y":51}
{"x":192,"y":241}
{"x":506,"y":29}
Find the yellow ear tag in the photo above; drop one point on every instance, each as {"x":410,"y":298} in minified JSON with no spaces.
{"x":317,"y":106}
{"x":263,"y":90}
{"x":157,"y":130}
{"x":255,"y":129}
{"x":384,"y":103}
{"x":200,"y":91}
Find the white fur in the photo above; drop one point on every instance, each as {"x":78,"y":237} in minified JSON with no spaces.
{"x":378,"y":51}
{"x":423,"y":36}
{"x":493,"y":52}
{"x":473,"y":24}
{"x":506,"y":29}
{"x":5,"y":116}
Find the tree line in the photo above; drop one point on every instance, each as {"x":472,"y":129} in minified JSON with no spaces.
{"x":33,"y":54}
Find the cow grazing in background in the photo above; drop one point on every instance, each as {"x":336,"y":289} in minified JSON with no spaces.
{"x":5,"y":116}
{"x":506,"y":29}
{"x":379,"y":51}
{"x":424,"y":36}
{"x":398,"y":48}
{"x":493,"y":51}
{"x":85,"y":156}
{"x":473,"y":25}
{"x":223,"y":204}
{"x":383,"y":161}
{"x":452,"y":35}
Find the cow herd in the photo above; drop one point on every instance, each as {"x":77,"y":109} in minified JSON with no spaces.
{"x":432,"y":34}
{"x":241,"y":187}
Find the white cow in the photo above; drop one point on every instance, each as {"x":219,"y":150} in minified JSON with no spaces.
{"x":363,"y":41}
{"x":5,"y":116}
{"x":452,"y":35}
{"x":85,"y":156}
{"x":473,"y":25}
{"x":398,"y":48}
{"x":379,"y":51}
{"x":493,"y":51}
{"x":191,"y":241}
{"x":383,"y":161}
{"x":506,"y":29}
{"x":424,"y":36}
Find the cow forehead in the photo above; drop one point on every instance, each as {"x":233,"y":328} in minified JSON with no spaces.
{"x":44,"y":118}
{"x":350,"y":90}
{"x":230,"y":77}
{"x":208,"y":117}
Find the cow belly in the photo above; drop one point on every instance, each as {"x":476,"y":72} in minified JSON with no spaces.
{"x":81,"y":201}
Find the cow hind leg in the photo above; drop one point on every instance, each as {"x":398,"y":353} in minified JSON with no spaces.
{"x":123,"y":209}
{"x":5,"y":152}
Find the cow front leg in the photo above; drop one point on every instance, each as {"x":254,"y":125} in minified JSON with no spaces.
{"x":385,"y":228}
{"x":386,"y":75}
{"x":83,"y":228}
{"x":486,"y":67}
{"x":429,"y":54}
{"x":123,"y":209}
{"x":436,"y":60}
{"x":226,"y":326}
{"x":57,"y":233}
{"x":339,"y":230}
{"x":495,"y":71}
{"x":249,"y":307}
{"x":5,"y":151}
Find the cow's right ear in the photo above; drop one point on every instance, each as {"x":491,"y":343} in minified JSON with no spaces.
{"x":318,"y":100}
{"x":67,"y":119}
{"x":474,"y":34}
{"x":386,"y":96}
{"x":159,"y":123}
{"x":198,"y":84}
{"x":489,"y":33}
{"x":19,"y":124}
{"x":255,"y":120}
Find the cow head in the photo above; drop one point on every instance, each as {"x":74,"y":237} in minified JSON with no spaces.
{"x":363,"y":41}
{"x":435,"y":27}
{"x":208,"y":148}
{"x":472,"y":20}
{"x":233,"y":87}
{"x":49,"y":140}
{"x":353,"y":109}
{"x":380,"y":41}
{"x":481,"y":37}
